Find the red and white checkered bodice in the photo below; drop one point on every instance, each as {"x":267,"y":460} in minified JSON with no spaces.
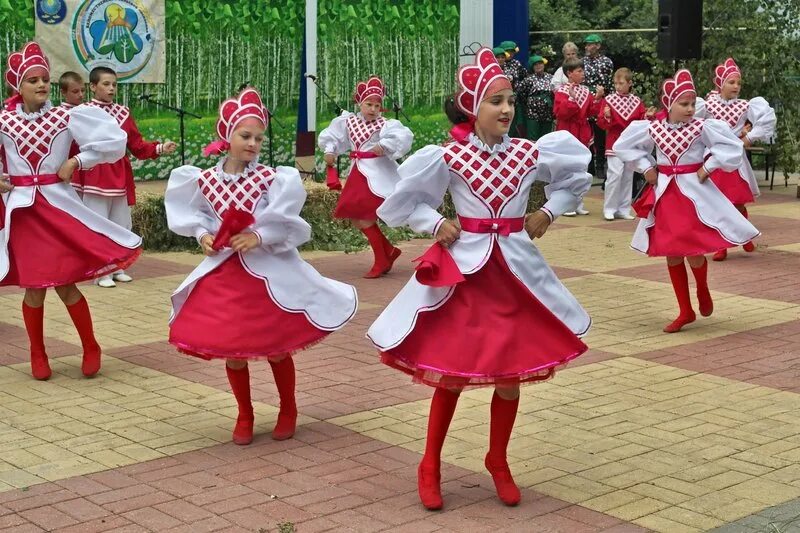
{"x":623,"y":105}
{"x":674,"y":142}
{"x":360,"y":131}
{"x":34,"y":138}
{"x":730,"y":112}
{"x":494,"y":178}
{"x":118,"y":112}
{"x":581,"y":92}
{"x":242,"y":193}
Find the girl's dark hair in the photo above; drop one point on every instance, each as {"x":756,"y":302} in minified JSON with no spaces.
{"x":454,"y":114}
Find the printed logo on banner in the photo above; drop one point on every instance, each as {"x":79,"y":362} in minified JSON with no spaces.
{"x":51,"y":11}
{"x":114,"y":33}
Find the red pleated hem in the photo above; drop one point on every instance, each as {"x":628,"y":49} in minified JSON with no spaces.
{"x":733,"y":186}
{"x":49,"y":247}
{"x":230,"y":315}
{"x":491,"y":331}
{"x":441,"y":378}
{"x":357,"y":201}
{"x":678,"y":231}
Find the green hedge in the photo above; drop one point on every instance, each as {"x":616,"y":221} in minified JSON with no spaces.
{"x":150,"y":221}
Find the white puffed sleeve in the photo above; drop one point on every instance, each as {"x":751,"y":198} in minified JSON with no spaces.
{"x":424,"y":179}
{"x":278,"y":223}
{"x":562,"y":165}
{"x":726,"y":149}
{"x":98,"y":136}
{"x":188,"y":212}
{"x":395,"y":139}
{"x":763,"y":119}
{"x":334,"y":138}
{"x":700,"y":108}
{"x":635,"y":145}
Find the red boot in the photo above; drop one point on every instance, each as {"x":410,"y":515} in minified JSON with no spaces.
{"x":443,"y":405}
{"x":504,"y":412}
{"x":239,"y":378}
{"x":82,"y":318}
{"x":748,"y":246}
{"x":283,"y":371}
{"x":382,"y":262}
{"x":703,"y":294}
{"x":391,"y":253}
{"x":680,"y":284}
{"x":721,"y":255}
{"x":34,"y":325}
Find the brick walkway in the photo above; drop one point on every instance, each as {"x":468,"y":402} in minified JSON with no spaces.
{"x":647,"y":431}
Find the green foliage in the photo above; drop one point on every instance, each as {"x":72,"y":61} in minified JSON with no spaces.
{"x":765,"y":50}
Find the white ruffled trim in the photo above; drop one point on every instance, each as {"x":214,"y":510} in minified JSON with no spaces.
{"x":497,"y":148}
{"x":365,"y":121}
{"x":676,"y":125}
{"x":36,"y":114}
{"x":230,"y":177}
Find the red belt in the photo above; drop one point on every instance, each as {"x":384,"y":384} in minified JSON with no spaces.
{"x":674,"y":170}
{"x":501,"y":226}
{"x":355,"y":154}
{"x":35,"y":179}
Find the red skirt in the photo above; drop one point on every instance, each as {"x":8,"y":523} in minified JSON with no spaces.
{"x":48,"y":247}
{"x":230,"y":315}
{"x":731,"y":184}
{"x":678,"y":231}
{"x":357,"y":201}
{"x":491,"y":331}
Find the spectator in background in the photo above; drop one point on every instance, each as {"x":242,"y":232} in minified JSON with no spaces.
{"x":598,"y":69}
{"x":516,"y":73}
{"x":569,"y":51}
{"x":537,"y":99}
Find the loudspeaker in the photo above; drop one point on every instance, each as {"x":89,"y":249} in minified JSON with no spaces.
{"x":680,"y":29}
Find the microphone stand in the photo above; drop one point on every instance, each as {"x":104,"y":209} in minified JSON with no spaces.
{"x":270,"y":139}
{"x":181,"y":113}
{"x":397,"y":109}
{"x":339,"y":109}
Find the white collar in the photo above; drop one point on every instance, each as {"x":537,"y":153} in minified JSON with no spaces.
{"x":365,"y":121}
{"x":36,"y":114}
{"x":677,"y":125}
{"x":231,"y":177}
{"x":726,"y":102}
{"x":497,"y":148}
{"x":101,"y":103}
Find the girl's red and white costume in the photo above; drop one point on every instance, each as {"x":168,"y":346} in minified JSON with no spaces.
{"x":688,"y":218}
{"x":370,"y":178}
{"x":478,"y":332}
{"x":265,"y":302}
{"x":740,"y":185}
{"x":624,"y":109}
{"x":49,"y":237}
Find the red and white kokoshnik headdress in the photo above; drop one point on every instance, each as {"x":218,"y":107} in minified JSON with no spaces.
{"x":20,"y":63}
{"x":724,"y":71}
{"x":675,"y":87}
{"x":372,"y":87}
{"x":479,"y":80}
{"x":231,"y":113}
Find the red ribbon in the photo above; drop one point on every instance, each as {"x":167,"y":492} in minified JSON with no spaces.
{"x":437,"y":268}
{"x":234,"y":221}
{"x":217,"y":147}
{"x":460,"y":132}
{"x":501,"y":226}
{"x":332,"y":179}
{"x":11,"y":102}
{"x":34,"y":179}
{"x":646,"y":201}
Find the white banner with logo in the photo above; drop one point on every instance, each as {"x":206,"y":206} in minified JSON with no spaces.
{"x":125,"y":35}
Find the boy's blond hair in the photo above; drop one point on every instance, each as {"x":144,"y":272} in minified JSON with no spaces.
{"x":625,"y":73}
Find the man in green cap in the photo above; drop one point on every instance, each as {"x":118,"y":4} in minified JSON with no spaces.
{"x":537,"y":99}
{"x":516,"y":73}
{"x":598,"y":70}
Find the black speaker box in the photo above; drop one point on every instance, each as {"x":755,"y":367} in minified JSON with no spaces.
{"x":680,"y":29}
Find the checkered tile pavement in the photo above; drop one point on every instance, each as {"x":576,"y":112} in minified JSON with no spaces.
{"x":646,"y":432}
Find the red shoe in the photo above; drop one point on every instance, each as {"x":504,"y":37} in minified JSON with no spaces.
{"x":91,"y":361}
{"x":243,"y":431}
{"x":285,"y":426}
{"x":377,"y":270}
{"x":429,"y":487}
{"x":507,"y":490}
{"x":392,"y":257}
{"x":678,"y":323}
{"x":40,"y":366}
{"x":749,"y":246}
{"x":721,"y":255}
